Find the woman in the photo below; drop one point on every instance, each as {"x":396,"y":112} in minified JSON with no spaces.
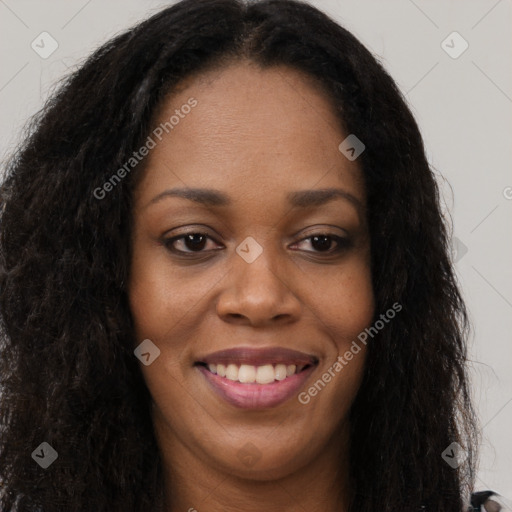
{"x":225,"y":281}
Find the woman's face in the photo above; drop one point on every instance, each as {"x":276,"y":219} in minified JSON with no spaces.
{"x":253,"y":291}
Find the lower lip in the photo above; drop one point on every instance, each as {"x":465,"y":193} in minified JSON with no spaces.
{"x":256,"y":396}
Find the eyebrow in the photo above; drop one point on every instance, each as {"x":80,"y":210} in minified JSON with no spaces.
{"x":299,"y":199}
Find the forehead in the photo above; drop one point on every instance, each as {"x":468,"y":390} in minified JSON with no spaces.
{"x":253,"y":131}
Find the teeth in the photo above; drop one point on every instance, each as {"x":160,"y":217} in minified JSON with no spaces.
{"x":290,"y":369}
{"x":281,"y":371}
{"x":221,"y":370}
{"x":232,"y":372}
{"x":265,"y":374}
{"x":248,"y":374}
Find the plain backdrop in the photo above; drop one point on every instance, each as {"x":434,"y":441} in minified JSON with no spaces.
{"x":462,"y":101}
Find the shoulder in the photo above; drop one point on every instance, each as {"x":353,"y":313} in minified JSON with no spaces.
{"x":489,"y":501}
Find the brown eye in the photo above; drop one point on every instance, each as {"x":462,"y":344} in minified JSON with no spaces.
{"x":327,"y":243}
{"x":188,"y":243}
{"x":321,"y":242}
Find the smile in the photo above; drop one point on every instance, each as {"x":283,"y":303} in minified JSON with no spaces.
{"x":248,"y":374}
{"x":256,"y":379}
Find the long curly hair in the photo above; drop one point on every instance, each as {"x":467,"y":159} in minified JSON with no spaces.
{"x":68,"y":373}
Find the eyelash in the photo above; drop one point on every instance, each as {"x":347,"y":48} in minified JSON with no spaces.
{"x":343,"y":243}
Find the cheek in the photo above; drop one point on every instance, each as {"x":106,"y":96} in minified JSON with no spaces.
{"x":162,"y":314}
{"x":344,"y":307}
{"x":345,"y":303}
{"x":169,"y":305}
{"x":161,"y":299}
{"x":149,"y":299}
{"x":155,"y":307}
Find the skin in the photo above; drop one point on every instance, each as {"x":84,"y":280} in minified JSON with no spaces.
{"x":255,"y":135}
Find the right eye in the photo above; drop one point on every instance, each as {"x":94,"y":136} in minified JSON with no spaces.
{"x":188,"y":243}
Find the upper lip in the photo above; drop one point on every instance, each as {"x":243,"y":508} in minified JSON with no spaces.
{"x":258,"y":357}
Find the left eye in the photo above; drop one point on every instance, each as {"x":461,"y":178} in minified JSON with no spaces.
{"x":323,"y":243}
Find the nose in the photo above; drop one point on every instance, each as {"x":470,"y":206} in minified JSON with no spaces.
{"x":258,"y":293}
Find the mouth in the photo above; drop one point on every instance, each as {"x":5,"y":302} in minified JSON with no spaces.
{"x":256,"y":379}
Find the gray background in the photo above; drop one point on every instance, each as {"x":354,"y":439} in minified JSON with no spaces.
{"x":463,"y":106}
